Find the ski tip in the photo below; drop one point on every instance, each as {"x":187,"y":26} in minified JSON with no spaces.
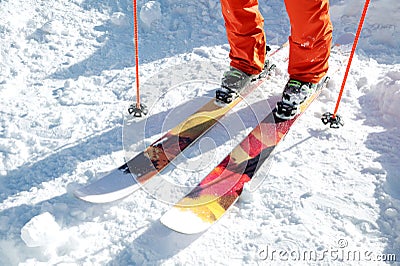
{"x":184,"y":221}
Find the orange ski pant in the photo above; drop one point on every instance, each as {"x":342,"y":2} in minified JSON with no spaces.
{"x":310,"y":38}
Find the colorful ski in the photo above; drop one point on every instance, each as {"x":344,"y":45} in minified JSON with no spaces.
{"x":123,"y":181}
{"x":208,"y":201}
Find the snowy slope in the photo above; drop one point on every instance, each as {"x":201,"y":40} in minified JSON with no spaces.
{"x":67,"y":78}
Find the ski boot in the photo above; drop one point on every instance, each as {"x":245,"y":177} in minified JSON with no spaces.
{"x":233,"y":82}
{"x":294,"y":94}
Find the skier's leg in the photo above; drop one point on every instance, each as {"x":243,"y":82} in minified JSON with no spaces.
{"x":310,"y":43}
{"x":310,"y":39}
{"x":244,"y":27}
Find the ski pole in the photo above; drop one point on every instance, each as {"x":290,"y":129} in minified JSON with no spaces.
{"x":137,"y":109}
{"x":333,"y":119}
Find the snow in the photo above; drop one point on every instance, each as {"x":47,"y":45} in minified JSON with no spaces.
{"x":386,"y":93}
{"x":150,"y":13}
{"x":40,"y":230}
{"x":67,"y":79}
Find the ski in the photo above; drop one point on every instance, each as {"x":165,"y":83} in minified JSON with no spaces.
{"x":123,"y":181}
{"x":221,"y":188}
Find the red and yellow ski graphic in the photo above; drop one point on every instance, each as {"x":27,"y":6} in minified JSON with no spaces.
{"x":220,"y":189}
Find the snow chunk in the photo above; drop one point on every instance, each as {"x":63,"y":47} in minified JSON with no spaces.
{"x":391,"y":212}
{"x":150,"y":13}
{"x":53,"y":27}
{"x":387,"y":95}
{"x":40,"y":230}
{"x":119,"y":19}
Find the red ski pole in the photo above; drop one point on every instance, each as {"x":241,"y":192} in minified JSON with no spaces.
{"x":333,"y":119}
{"x":138,"y":109}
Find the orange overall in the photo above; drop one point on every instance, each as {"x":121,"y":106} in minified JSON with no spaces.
{"x":310,"y":40}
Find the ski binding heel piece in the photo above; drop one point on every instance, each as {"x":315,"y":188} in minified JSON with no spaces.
{"x":226,"y":95}
{"x":285,"y":111}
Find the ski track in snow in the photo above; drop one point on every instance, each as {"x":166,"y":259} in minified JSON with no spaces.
{"x":67,"y":78}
